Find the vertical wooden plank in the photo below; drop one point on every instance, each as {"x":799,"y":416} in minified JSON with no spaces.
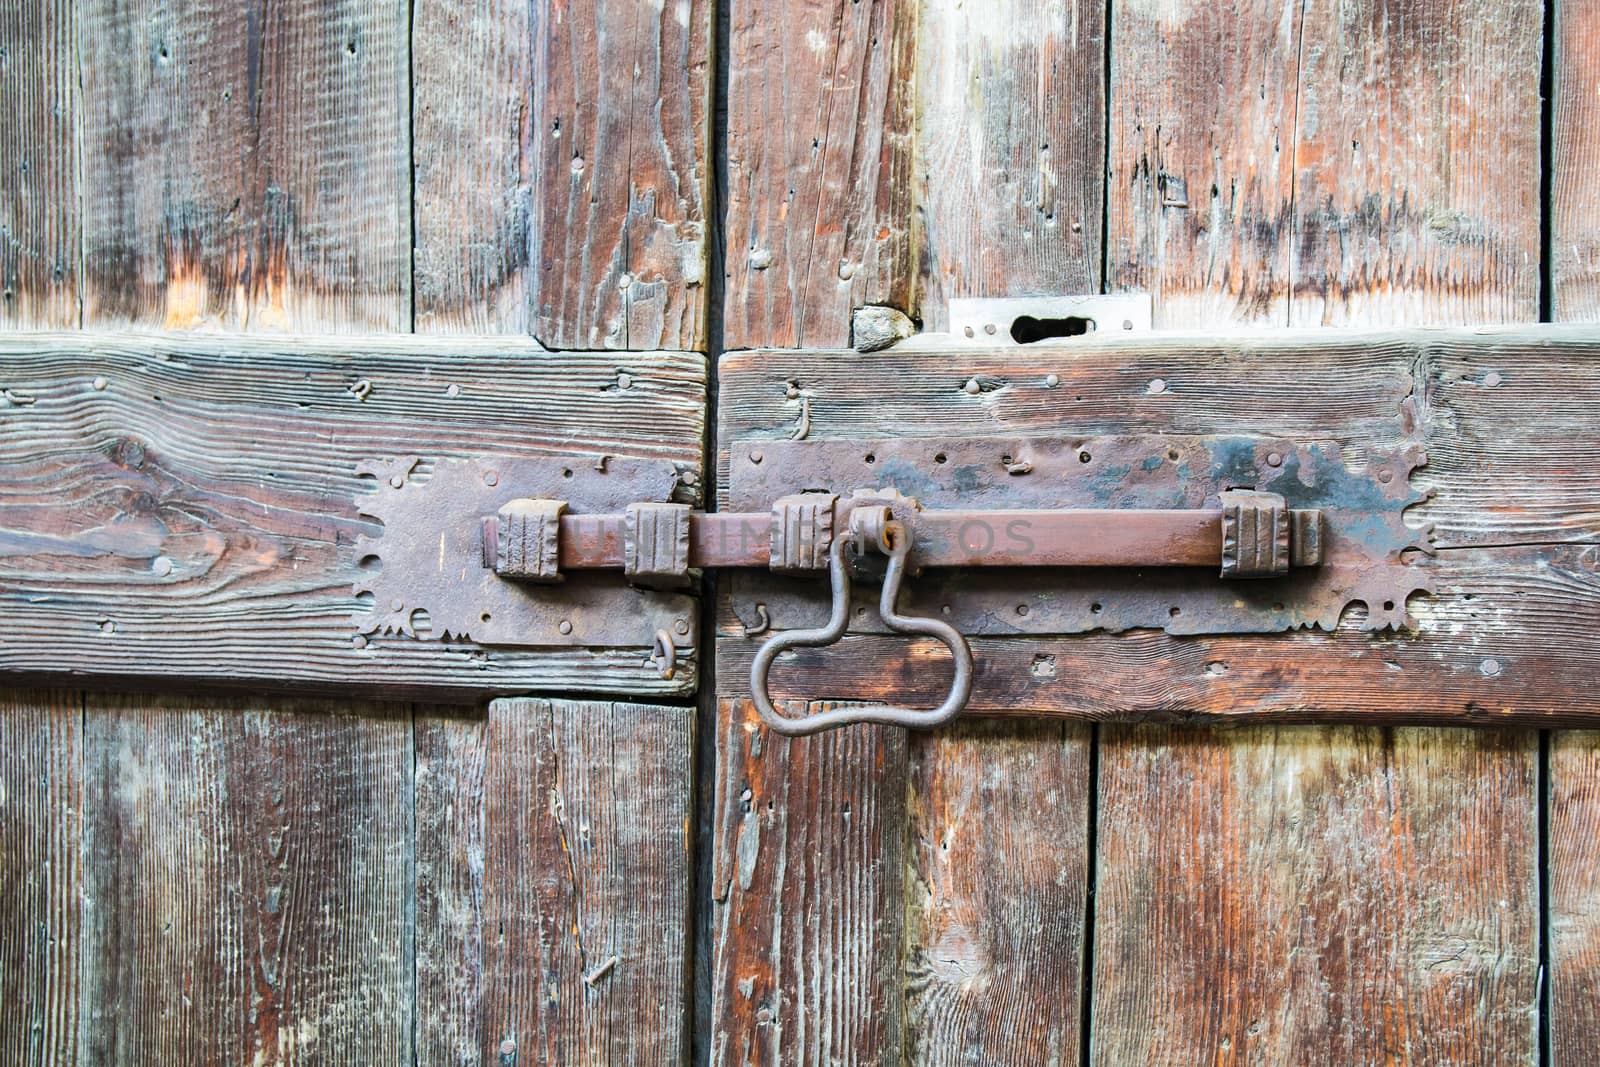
{"x":38,"y":167}
{"x":586,"y":885}
{"x":1575,"y":159}
{"x":1010,"y":150}
{"x":1574,"y":896}
{"x":1202,"y":910}
{"x":472,"y":123}
{"x":1405,"y":210}
{"x":808,"y":894}
{"x":1010,"y":144}
{"x":552,"y":835}
{"x":1574,"y":768}
{"x":1200,"y":159}
{"x":1279,"y":897}
{"x":620,"y":131}
{"x":247,"y":168}
{"x":999,"y":858}
{"x":245,"y":882}
{"x":449,"y":804}
{"x":819,"y":168}
{"x":41,"y":785}
{"x":40,"y":732}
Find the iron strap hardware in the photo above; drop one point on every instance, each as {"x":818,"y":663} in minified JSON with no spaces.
{"x":1037,"y":536}
{"x":1249,"y":535}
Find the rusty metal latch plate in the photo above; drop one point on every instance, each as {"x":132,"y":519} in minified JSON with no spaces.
{"x":1368,"y":542}
{"x":425,"y":575}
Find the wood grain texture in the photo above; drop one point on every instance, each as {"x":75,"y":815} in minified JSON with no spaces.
{"x":472,"y":149}
{"x":1574,"y":903}
{"x":1348,"y":896}
{"x":1417,"y":162}
{"x":1010,"y":150}
{"x":820,"y":117}
{"x":1410,"y":199}
{"x":807,"y":892}
{"x":999,"y":869}
{"x":246,"y":168}
{"x":39,"y":234}
{"x":1575,"y":158}
{"x":194,"y":518}
{"x":246,"y":882}
{"x":622,"y":114}
{"x":1382,"y":169}
{"x":41,"y":796}
{"x":552,"y":836}
{"x":1200,"y":158}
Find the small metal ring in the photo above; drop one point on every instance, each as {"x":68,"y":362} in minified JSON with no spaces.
{"x":664,"y":654}
{"x":899,"y":541}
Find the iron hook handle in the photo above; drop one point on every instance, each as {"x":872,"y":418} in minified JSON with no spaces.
{"x":898,"y":547}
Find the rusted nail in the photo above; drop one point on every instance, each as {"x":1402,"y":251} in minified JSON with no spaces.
{"x":17,"y":397}
{"x":600,"y":972}
{"x":804,"y":427}
{"x":600,"y":464}
{"x":763,"y":622}
{"x":361,"y":388}
{"x":1020,"y":467}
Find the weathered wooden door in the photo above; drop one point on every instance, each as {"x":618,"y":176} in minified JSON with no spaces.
{"x":239,"y":825}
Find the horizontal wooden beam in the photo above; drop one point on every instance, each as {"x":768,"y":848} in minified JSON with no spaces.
{"x":188,"y":508}
{"x":1510,"y":419}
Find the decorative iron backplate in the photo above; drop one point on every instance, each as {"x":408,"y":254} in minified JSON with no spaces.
{"x":426,"y":575}
{"x":1368,"y":542}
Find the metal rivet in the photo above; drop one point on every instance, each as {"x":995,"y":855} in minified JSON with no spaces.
{"x":1052,"y":380}
{"x":565,"y":626}
{"x":397,"y":481}
{"x":1386,"y":477}
{"x":99,"y":384}
{"x":452,"y":390}
{"x":161,"y":566}
{"x":1274,"y":459}
{"x":972,"y":386}
{"x":358,"y":641}
{"x":988,"y":327}
{"x":968,"y":331}
{"x":1491,"y":379}
{"x":1157,"y":385}
{"x":624,"y":380}
{"x":682,"y":626}
{"x":491,"y":478}
{"x":108,"y":627}
{"x":624,"y":281}
{"x":1127,"y":324}
{"x":756,"y":457}
{"x":396,"y":604}
{"x":1490,"y":667}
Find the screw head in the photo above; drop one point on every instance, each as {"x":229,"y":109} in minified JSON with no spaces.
{"x":681,"y":626}
{"x":564,"y":626}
